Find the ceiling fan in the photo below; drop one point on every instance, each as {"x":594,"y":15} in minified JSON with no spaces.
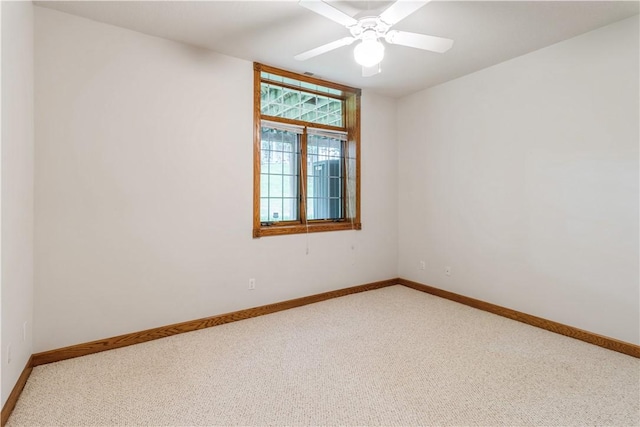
{"x":370,"y":30}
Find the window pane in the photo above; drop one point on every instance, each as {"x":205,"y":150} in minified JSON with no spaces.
{"x":296,"y":104}
{"x":279,"y":178}
{"x":290,"y":186}
{"x":325,"y":198}
{"x":350,"y":166}
{"x":289,"y":209}
{"x":264,"y":209}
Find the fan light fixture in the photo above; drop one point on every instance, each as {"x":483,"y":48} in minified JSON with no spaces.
{"x":369,"y":30}
{"x":369,"y":52}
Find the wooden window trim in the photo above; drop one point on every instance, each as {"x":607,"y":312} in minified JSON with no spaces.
{"x":299,"y":122}
{"x":304,"y":78}
{"x":351,"y":117}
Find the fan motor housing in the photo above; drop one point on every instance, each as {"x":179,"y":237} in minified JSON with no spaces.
{"x":367,"y":25}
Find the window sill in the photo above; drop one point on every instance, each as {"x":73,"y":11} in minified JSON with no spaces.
{"x":279,"y":230}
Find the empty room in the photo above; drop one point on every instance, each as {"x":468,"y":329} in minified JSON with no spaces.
{"x":311,"y":212}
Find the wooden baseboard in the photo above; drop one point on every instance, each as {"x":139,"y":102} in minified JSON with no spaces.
{"x":193,"y":325}
{"x":549,"y":325}
{"x":15,"y":393}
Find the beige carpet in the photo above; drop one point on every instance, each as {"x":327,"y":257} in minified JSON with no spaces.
{"x":393,"y":356}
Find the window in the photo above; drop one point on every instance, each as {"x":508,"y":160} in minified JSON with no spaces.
{"x":306,"y":154}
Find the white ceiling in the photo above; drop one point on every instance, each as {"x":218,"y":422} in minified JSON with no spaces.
{"x":272,"y":32}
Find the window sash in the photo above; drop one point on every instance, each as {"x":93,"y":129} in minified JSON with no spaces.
{"x":341,"y":135}
{"x":282,"y":126}
{"x":280,"y":182}
{"x":320,"y":190}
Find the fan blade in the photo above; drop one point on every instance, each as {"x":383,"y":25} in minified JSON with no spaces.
{"x":371,"y":71}
{"x":419,"y":41}
{"x":345,"y":41}
{"x":400,"y":10}
{"x":328,"y":11}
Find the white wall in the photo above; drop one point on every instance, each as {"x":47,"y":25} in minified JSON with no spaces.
{"x":523,"y":178}
{"x":144,"y":189}
{"x":17,"y":190}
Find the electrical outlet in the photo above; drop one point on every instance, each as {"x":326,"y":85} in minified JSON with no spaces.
{"x":447,"y":271}
{"x":423,"y":265}
{"x":252,"y":284}
{"x":8,"y":354}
